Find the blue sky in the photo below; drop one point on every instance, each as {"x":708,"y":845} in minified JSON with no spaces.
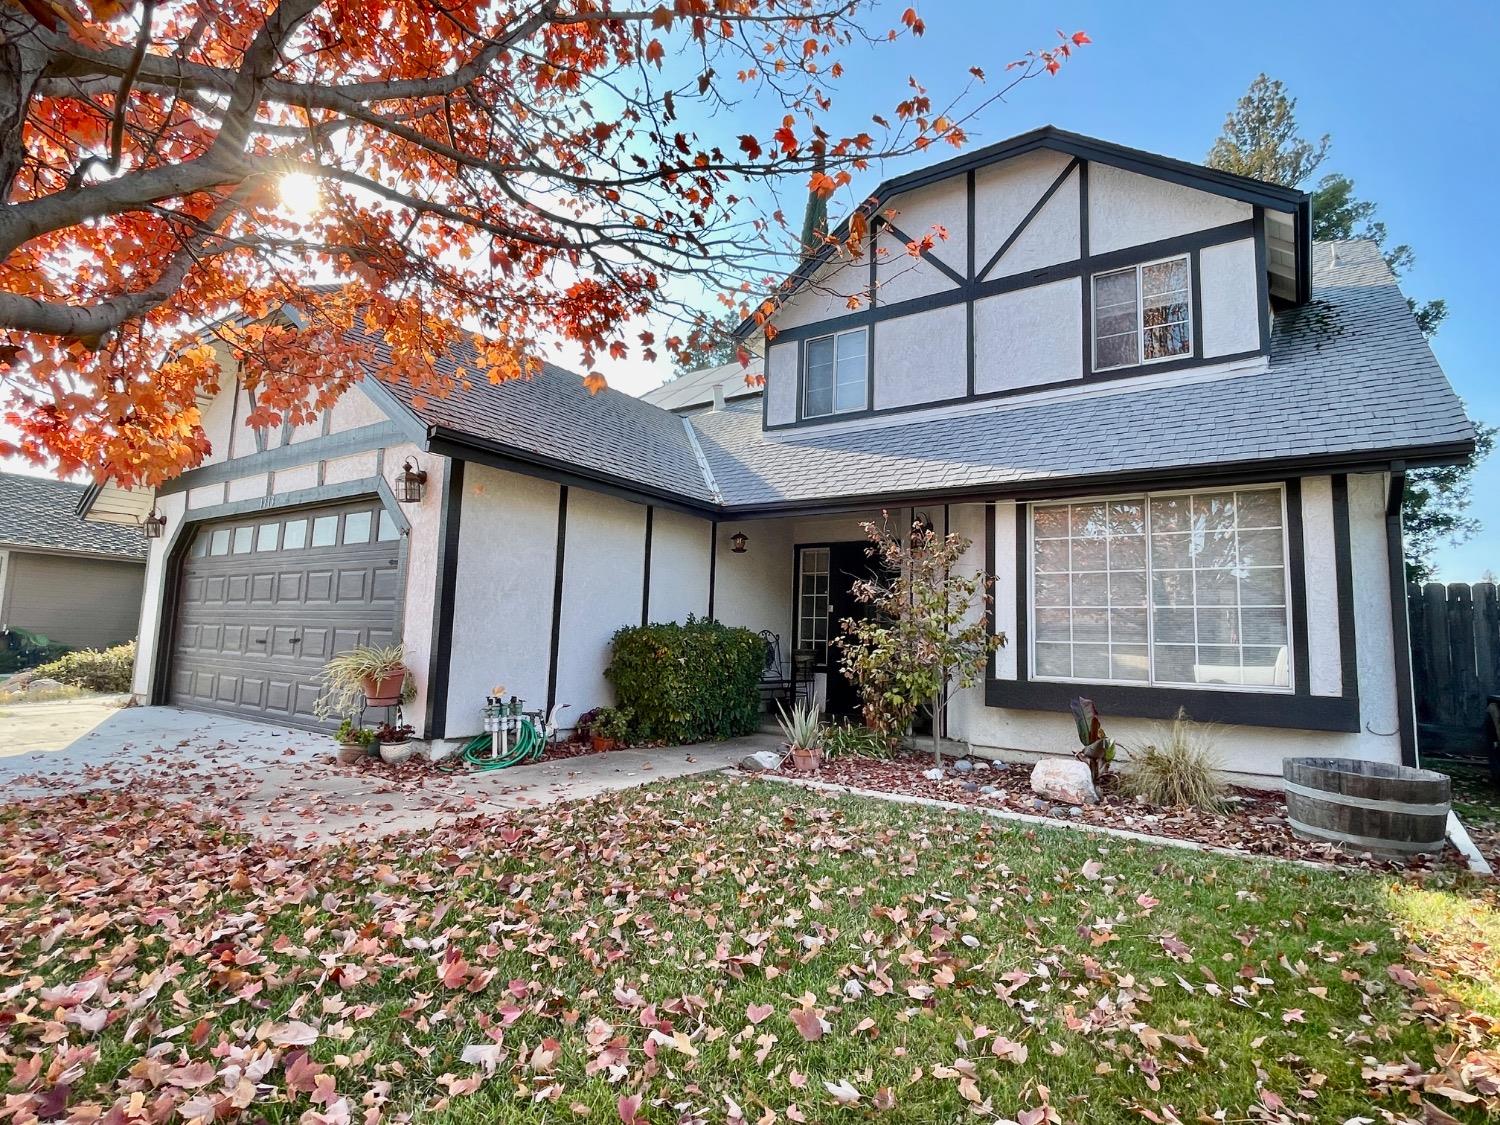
{"x":1409,"y":93}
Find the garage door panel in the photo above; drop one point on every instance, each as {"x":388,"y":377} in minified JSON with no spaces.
{"x":255,"y":626}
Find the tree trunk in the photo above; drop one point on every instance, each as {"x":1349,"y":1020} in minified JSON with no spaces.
{"x":937,"y":746}
{"x":22,"y":60}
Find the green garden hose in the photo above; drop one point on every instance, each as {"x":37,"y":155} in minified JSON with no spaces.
{"x":528,"y":746}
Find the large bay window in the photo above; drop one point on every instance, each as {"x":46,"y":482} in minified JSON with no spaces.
{"x":1142,"y":314}
{"x":1182,"y":588}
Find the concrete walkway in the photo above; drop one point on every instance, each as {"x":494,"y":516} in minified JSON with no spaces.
{"x":286,"y":784}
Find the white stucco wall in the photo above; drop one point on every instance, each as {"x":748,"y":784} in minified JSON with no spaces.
{"x":1249,"y":752}
{"x":1128,"y":209}
{"x":679,"y":566}
{"x":921,"y":358}
{"x":603,"y":571}
{"x":1004,"y":193}
{"x":502,"y":613}
{"x":931,"y":211}
{"x":828,"y":293}
{"x":781,"y":383}
{"x":754,"y":590}
{"x":1050,"y":238}
{"x":1028,"y":337}
{"x":1231,"y":318}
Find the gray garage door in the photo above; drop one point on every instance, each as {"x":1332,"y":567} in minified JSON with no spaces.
{"x":264,"y":601}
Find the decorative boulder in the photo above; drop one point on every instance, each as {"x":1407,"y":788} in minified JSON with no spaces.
{"x":1064,"y":779}
{"x":760,"y":760}
{"x":39,"y":686}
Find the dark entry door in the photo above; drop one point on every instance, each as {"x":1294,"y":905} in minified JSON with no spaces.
{"x":264,"y":601}
{"x":826,"y":577}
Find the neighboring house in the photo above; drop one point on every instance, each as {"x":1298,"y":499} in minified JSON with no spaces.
{"x":709,"y":387}
{"x":77,"y":583}
{"x":1173,"y":428}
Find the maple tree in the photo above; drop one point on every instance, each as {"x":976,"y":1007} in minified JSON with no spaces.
{"x":494,"y":173}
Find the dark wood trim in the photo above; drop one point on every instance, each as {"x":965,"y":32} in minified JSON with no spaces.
{"x":440,"y":658}
{"x":1262,"y":280}
{"x":559,"y":559}
{"x":1036,"y":209}
{"x":1083,"y":268}
{"x":360,"y":440}
{"x":646,"y":569}
{"x":1237,"y":708}
{"x":1022,"y":591}
{"x":971,"y":190}
{"x":928,"y":256}
{"x":990,"y":587}
{"x":1296,"y":553}
{"x":713,"y":565}
{"x":1395,"y":549}
{"x":1343,"y":566}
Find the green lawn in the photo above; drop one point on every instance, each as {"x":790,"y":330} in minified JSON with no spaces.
{"x":723,"y":950}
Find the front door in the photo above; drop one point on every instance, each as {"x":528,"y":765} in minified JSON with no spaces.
{"x":825,"y":579}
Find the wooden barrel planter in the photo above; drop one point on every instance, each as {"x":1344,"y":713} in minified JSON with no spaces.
{"x":1391,"y":811}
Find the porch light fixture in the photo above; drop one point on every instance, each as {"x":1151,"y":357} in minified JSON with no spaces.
{"x":154,"y":525}
{"x":411,"y":482}
{"x":738,"y":542}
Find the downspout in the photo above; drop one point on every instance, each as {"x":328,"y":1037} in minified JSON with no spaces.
{"x":1395,"y":547}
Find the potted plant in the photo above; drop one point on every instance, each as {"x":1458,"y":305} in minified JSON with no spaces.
{"x":354,"y":741}
{"x":609,"y":728}
{"x":373,"y":674}
{"x":394,"y":742}
{"x":804,"y":735}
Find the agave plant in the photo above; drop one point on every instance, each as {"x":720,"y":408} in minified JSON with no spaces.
{"x":802,"y":728}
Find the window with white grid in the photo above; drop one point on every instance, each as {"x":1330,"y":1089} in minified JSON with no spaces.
{"x":1186,"y":588}
{"x":812,"y":600}
{"x":1142,"y":314}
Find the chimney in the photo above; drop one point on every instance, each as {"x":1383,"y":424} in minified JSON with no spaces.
{"x":718,"y":396}
{"x":815,"y":221}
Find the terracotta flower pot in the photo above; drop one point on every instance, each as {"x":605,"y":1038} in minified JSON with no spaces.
{"x":351,"y":752}
{"x":393,"y":752}
{"x":601,"y":744}
{"x":805,"y":760}
{"x":383,"y":691}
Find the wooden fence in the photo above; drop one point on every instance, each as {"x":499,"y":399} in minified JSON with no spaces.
{"x":1455,"y":651}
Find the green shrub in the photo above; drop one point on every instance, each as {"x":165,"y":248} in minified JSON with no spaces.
{"x":92,"y":669}
{"x":21,"y":649}
{"x":693,"y":681}
{"x":850,"y":740}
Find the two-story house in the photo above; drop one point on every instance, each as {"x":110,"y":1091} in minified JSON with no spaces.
{"x":1172,"y":426}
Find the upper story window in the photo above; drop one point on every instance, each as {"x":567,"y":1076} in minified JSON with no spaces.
{"x":835,"y":381}
{"x":1142,"y":314}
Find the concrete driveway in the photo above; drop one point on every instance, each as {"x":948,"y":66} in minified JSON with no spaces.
{"x":286,"y":784}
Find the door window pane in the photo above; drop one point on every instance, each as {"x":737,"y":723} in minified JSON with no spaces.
{"x":295,"y":536}
{"x":812,"y":600}
{"x":357,"y":527}
{"x":387,"y":529}
{"x":265,"y":536}
{"x":219,"y":543}
{"x":200,"y":545}
{"x":244,"y":540}
{"x":325,"y":531}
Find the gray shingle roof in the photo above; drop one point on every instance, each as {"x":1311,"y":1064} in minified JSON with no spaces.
{"x":41,"y":512}
{"x":1350,"y":374}
{"x":553,"y":418}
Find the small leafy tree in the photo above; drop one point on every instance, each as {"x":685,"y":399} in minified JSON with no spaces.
{"x":922,"y":637}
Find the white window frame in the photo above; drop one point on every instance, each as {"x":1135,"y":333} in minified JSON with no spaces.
{"x":807,"y":366}
{"x":802,"y":553}
{"x":1151,"y":682}
{"x":1140,"y":327}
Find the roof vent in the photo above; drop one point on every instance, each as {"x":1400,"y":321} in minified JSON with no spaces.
{"x":718,"y":396}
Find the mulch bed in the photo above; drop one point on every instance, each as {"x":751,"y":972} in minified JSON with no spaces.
{"x":1255,"y":822}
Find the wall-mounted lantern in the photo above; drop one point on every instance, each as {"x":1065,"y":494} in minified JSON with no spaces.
{"x":739,"y":542}
{"x":411,"y":482}
{"x":154,"y":525}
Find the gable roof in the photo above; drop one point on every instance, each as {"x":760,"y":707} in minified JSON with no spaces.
{"x":42,"y":513}
{"x":1260,"y":193}
{"x":696,"y":388}
{"x":1350,"y":380}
